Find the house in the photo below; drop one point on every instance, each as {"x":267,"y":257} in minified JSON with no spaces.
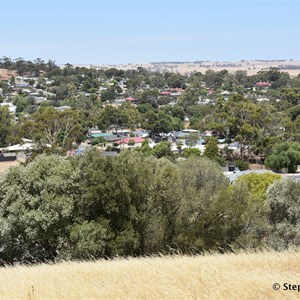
{"x":4,"y":78}
{"x":99,"y":134}
{"x":12,"y":108}
{"x":262,"y":84}
{"x":17,"y":152}
{"x":62,"y":108}
{"x":141,"y":133}
{"x":114,"y":138}
{"x":130,"y":99}
{"x":125,"y":143}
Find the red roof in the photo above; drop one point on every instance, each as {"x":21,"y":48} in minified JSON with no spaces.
{"x":178,"y":89}
{"x":165,"y":93}
{"x":263,"y":84}
{"x":130,"y":99}
{"x":126,"y":140}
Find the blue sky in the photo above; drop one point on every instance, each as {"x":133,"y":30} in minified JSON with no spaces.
{"x":112,"y":32}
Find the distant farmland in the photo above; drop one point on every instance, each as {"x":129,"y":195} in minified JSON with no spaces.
{"x":230,"y":276}
{"x":251,"y":66}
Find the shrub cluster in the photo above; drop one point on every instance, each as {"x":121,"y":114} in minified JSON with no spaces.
{"x":94,"y":206}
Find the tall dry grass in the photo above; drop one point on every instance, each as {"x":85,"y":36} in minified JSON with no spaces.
{"x":229,"y":276}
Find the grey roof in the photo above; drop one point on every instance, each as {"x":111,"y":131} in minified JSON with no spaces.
{"x":114,"y":138}
{"x":179,"y":134}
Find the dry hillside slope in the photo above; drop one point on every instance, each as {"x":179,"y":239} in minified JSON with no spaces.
{"x":231,"y":276}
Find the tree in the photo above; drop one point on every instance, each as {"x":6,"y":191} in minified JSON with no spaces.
{"x":258,"y":183}
{"x":284,"y":217}
{"x":246,"y":136}
{"x":187,"y":152}
{"x":88,"y":240}
{"x":162,"y":149}
{"x":111,"y":116}
{"x":116,"y":200}
{"x":176,"y":81}
{"x":37,"y":203}
{"x":212,"y":150}
{"x":133,"y":117}
{"x":98,"y":140}
{"x":285,"y":155}
{"x":159,"y":121}
{"x":199,"y":219}
{"x":54,"y":131}
{"x":5,"y":126}
{"x":163,"y":206}
{"x":192,"y":139}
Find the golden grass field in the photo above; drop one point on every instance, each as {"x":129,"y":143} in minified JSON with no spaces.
{"x":212,"y":276}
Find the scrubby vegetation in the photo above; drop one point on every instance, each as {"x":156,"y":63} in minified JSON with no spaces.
{"x":93,"y":206}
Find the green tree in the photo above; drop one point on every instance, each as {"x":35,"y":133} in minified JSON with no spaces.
{"x":54,"y":131}
{"x":258,"y":183}
{"x":199,"y":220}
{"x":285,"y":155}
{"x":187,"y":152}
{"x":5,"y":126}
{"x":212,"y":150}
{"x":192,"y":139}
{"x":284,"y":217}
{"x":163,"y":206}
{"x":112,"y":197}
{"x":162,"y":149}
{"x":111,"y":116}
{"x":37,"y":204}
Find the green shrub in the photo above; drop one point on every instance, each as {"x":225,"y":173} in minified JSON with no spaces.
{"x":242,"y":165}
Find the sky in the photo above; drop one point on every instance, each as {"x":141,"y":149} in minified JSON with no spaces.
{"x":123,"y":31}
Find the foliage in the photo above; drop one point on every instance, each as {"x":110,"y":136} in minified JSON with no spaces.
{"x":98,"y":140}
{"x":285,"y":155}
{"x":162,"y":149}
{"x":54,"y":131}
{"x":187,"y":152}
{"x":248,"y":210}
{"x":284,"y":200}
{"x":242,"y":165}
{"x":258,"y":183}
{"x":5,"y":125}
{"x":39,"y":199}
{"x":192,"y":139}
{"x":212,"y":150}
{"x":131,"y":143}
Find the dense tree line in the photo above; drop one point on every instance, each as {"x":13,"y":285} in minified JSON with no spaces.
{"x":94,"y":206}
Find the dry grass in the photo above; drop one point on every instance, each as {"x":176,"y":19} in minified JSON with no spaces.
{"x":230,"y":276}
{"x":4,"y":166}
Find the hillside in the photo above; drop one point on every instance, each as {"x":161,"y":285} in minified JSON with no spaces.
{"x":230,"y":276}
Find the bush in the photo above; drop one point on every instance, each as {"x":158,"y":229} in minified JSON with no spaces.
{"x":284,"y":217}
{"x":285,"y":155}
{"x":37,"y":203}
{"x":98,"y":140}
{"x":242,"y":165}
